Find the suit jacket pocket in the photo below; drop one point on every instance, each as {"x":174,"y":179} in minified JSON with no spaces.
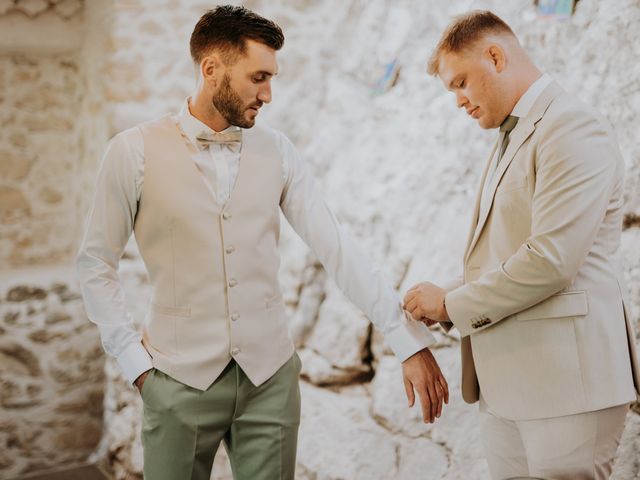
{"x":511,"y":185}
{"x":565,"y":304}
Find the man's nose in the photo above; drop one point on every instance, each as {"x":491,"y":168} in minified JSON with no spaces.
{"x":461,"y":100}
{"x":264,"y":94}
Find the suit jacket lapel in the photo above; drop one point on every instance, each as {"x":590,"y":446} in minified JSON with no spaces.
{"x":476,"y":211}
{"x":524,"y":129}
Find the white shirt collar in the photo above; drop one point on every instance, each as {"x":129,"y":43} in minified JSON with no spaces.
{"x":191,"y":126}
{"x":526,"y":102}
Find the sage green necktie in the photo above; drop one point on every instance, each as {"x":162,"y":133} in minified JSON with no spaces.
{"x":506,"y":127}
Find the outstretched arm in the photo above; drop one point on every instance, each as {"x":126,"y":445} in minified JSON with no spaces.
{"x":361,"y":281}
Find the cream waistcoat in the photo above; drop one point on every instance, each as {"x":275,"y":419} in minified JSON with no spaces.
{"x":213,"y":268}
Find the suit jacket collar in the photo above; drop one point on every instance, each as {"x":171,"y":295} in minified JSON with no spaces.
{"x":524,"y":129}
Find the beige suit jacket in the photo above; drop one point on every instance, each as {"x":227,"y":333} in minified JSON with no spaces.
{"x":543,"y":309}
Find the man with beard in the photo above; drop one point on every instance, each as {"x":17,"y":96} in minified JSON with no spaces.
{"x":203,"y":191}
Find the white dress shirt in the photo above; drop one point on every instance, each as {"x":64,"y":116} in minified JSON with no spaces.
{"x":528,"y":99}
{"x":117,"y":193}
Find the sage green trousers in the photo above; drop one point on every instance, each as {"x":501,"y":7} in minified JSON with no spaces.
{"x":182,"y":427}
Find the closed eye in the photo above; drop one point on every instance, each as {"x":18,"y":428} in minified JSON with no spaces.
{"x":458,"y":82}
{"x":261,"y":77}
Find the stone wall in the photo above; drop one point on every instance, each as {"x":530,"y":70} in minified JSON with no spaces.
{"x":50,"y":95}
{"x":51,"y":362}
{"x":40,"y":105}
{"x":40,"y":145}
{"x":51,"y":375}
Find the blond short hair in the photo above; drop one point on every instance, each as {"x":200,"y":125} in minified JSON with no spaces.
{"x":464,"y":32}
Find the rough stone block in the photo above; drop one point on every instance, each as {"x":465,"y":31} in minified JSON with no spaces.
{"x":6,"y":6}
{"x":68,"y":8}
{"x":14,"y":167}
{"x":18,"y":359}
{"x":32,"y":8}
{"x":23,"y":293}
{"x":13,"y":204}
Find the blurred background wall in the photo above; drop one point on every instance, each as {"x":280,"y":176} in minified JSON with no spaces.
{"x":398,"y":163}
{"x":53,"y":128}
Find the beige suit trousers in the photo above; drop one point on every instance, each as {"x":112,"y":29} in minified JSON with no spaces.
{"x":573,"y":447}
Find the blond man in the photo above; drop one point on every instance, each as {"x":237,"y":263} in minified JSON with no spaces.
{"x":547,"y":342}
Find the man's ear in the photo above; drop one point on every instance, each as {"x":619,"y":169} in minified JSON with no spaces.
{"x":497,"y":57}
{"x":211,"y":69}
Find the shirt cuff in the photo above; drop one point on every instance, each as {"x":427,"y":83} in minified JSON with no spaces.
{"x":134,"y":361}
{"x":409,"y":338}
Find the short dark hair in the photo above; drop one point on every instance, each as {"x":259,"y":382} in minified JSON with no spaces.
{"x":227,"y":28}
{"x":464,"y":32}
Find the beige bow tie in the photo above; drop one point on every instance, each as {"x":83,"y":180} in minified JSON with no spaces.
{"x":232,"y":140}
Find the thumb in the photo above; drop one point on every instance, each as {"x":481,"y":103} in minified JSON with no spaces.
{"x":408,"y":387}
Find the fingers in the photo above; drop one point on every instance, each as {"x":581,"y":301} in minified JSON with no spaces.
{"x":440,"y":393}
{"x":415,"y":377}
{"x":417,"y":303}
{"x":426,"y":403}
{"x":422,"y":376}
{"x":435,"y":402}
{"x":437,"y":397}
{"x":445,"y":387}
{"x":408,"y":297}
{"x":413,"y":307}
{"x":438,"y":387}
{"x":408,"y":388}
{"x":138,"y":382}
{"x":432,"y":365}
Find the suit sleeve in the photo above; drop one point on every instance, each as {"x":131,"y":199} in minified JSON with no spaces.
{"x":577,"y":167}
{"x":449,"y":286}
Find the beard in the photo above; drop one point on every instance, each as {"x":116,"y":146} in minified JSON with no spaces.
{"x":230,"y":106}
